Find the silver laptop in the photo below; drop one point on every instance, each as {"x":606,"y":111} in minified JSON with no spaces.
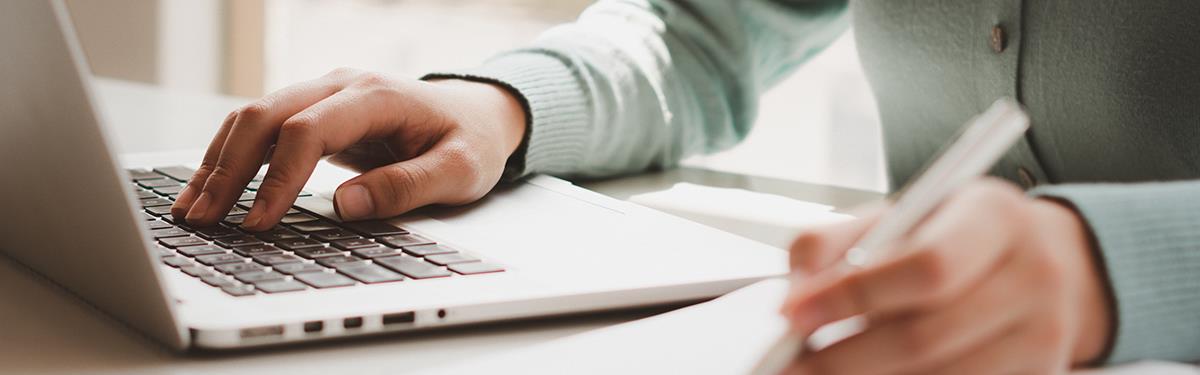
{"x":101,"y":230}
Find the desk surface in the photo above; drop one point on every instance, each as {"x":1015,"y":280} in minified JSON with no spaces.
{"x":46,"y":330}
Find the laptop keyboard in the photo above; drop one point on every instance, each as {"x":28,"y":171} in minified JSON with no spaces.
{"x":304,"y":252}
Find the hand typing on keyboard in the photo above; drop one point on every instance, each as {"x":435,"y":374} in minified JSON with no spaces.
{"x":415,"y":143}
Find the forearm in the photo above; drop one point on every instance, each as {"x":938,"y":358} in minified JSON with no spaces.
{"x":636,"y":85}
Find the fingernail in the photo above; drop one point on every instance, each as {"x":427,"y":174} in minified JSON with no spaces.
{"x":183,"y":202}
{"x":200,"y":207}
{"x":254,"y":217}
{"x":354,"y":202}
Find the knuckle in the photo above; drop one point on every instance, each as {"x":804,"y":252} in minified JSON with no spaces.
{"x":403,"y":182}
{"x":221,"y":174}
{"x":343,"y":72}
{"x":918,"y":340}
{"x":802,"y":248}
{"x":253,"y":111}
{"x":371,"y":79}
{"x":298,"y":127}
{"x":932,"y":270}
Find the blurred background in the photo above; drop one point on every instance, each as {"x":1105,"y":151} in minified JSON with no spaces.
{"x":818,"y":126}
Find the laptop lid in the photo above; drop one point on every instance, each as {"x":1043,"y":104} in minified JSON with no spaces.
{"x":69,"y":204}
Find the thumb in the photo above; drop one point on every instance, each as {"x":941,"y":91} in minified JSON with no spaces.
{"x":391,"y":190}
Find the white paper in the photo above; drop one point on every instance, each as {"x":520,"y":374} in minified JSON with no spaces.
{"x":768,"y":218}
{"x":723,"y":336}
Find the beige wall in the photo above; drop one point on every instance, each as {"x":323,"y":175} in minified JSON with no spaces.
{"x":119,"y":37}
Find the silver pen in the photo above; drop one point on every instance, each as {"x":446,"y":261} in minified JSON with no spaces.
{"x":979,"y":145}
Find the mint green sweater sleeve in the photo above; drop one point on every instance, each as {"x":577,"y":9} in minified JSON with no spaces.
{"x":633,"y":85}
{"x":1147,"y":238}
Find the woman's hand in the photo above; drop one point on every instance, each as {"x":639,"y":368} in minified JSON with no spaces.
{"x":992,"y":282}
{"x":415,"y":143}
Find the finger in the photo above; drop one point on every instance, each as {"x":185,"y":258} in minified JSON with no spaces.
{"x":925,"y":339}
{"x":1015,"y":352}
{"x":329,"y":126}
{"x":253,"y":131}
{"x":950,"y":251}
{"x":818,"y":247}
{"x":187,"y":196}
{"x":433,"y":177}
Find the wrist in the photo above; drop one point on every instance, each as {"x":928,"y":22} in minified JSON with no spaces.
{"x":1093,"y":315}
{"x":499,"y":106}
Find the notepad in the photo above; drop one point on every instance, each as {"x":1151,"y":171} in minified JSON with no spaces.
{"x":723,"y":336}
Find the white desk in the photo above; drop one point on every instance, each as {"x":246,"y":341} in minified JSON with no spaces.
{"x":43,"y":329}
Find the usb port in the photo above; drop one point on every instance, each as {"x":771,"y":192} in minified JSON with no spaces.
{"x":314,"y":326}
{"x":262,"y":331}
{"x":355,"y":322}
{"x":399,"y":318}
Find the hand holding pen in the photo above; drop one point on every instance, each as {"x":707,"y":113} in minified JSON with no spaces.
{"x":961,"y":275}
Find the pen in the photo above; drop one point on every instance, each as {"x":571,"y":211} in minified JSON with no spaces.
{"x":979,"y":145}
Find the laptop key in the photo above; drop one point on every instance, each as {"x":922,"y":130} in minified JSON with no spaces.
{"x":312,"y":226}
{"x":164,"y":252}
{"x":258,"y":276}
{"x":354,"y":243}
{"x":175,"y":242}
{"x":247,"y":196}
{"x":195,"y":251}
{"x":323,"y":280}
{"x":374,"y":228}
{"x":168,"y":232}
{"x":448,"y":259}
{"x":318,"y":252}
{"x":150,"y":184}
{"x":259,"y":249}
{"x":375,"y":252}
{"x":197,"y":271}
{"x":277,"y":234}
{"x":242,"y":240}
{"x":412,"y":267}
{"x":158,"y":224}
{"x":159,"y":210}
{"x":147,"y":216}
{"x":216,"y":231}
{"x":280,"y":286}
{"x":295,"y":268}
{"x":333,"y":235}
{"x":298,"y":243}
{"x":297,"y":218}
{"x":234,"y":220}
{"x":137,"y":174}
{"x":168,"y":190}
{"x":475,"y":268}
{"x":218,"y":281}
{"x":274,"y":259}
{"x":425,"y":250}
{"x":239,"y":290}
{"x":236,"y":268}
{"x":401,"y":240}
{"x":215,"y":259}
{"x":177,"y":172}
{"x":235,"y":210}
{"x":155,"y":202}
{"x":338,"y":261}
{"x":370,"y":273}
{"x":176,"y":261}
{"x":142,"y":194}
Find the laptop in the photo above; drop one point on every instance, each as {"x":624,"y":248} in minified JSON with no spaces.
{"x":101,"y":230}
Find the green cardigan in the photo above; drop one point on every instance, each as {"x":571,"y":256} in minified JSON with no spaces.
{"x":1112,"y":86}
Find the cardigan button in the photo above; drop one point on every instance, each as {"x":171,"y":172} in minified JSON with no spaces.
{"x":1026,"y":178}
{"x":997,"y":39}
